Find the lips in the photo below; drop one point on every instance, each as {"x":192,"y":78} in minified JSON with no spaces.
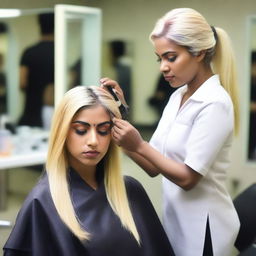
{"x":91,"y":154}
{"x":169,"y":78}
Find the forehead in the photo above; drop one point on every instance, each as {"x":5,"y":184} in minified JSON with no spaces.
{"x":163,"y":45}
{"x":95,"y":114}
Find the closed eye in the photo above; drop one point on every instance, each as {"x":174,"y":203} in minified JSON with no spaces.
{"x":104,"y":129}
{"x":80,"y":132}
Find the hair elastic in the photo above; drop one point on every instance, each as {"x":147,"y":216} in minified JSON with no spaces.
{"x":214,"y":33}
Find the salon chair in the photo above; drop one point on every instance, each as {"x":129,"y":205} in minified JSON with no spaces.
{"x":245,"y":204}
{"x":250,"y":251}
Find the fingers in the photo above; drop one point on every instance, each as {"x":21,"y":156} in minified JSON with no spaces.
{"x":120,"y":128}
{"x":105,"y":81}
{"x":117,"y":131}
{"x":115,"y":138}
{"x":120,"y":123}
{"x":125,"y":135}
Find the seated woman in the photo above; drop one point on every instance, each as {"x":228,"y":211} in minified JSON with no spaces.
{"x":82,"y":205}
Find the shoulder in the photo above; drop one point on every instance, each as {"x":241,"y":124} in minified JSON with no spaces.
{"x":41,"y":188}
{"x":220,"y":102}
{"x":35,"y":49}
{"x":134,"y":188}
{"x":39,"y":195}
{"x":211,"y":95}
{"x":216,"y":93}
{"x":30,"y":49}
{"x":132,"y":183}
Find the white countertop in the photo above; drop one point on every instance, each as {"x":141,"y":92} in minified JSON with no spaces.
{"x":28,"y":147}
{"x":13,"y":161}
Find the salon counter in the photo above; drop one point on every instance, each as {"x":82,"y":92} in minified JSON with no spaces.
{"x":29,"y":148}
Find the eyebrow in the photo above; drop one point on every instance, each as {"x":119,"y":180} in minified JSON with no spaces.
{"x":166,"y":53}
{"x":87,"y":124}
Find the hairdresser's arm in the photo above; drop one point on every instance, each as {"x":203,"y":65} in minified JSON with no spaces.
{"x":146,"y":165}
{"x":253,"y":106}
{"x":151,"y":160}
{"x":23,"y":77}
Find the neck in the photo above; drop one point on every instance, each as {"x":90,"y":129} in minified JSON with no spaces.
{"x":48,"y":37}
{"x":88,"y":174}
{"x":198,"y":80}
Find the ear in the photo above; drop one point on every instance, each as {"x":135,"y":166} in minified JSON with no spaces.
{"x":201,"y":55}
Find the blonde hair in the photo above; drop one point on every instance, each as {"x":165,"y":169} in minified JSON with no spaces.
{"x":188,"y":28}
{"x":57,"y":165}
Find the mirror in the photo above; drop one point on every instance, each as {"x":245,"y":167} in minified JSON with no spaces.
{"x":18,"y":38}
{"x":3,"y":53}
{"x":117,"y":63}
{"x":252,"y":91}
{"x":77,"y":38}
{"x":78,"y":47}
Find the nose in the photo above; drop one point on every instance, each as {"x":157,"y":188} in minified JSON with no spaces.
{"x":92,"y":138}
{"x":164,"y":66}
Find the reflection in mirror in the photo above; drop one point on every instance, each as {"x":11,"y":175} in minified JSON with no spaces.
{"x":3,"y":52}
{"x":18,"y":64}
{"x":37,"y":75}
{"x":74,"y":52}
{"x":77,"y":45}
{"x":252,"y":119}
{"x":117,"y":64}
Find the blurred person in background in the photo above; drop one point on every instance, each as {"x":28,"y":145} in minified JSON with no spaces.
{"x":37,"y":72}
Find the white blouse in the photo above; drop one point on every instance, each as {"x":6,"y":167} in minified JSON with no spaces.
{"x":199,"y":134}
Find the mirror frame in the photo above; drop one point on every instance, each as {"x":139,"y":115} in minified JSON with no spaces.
{"x":246,"y":110}
{"x":91,"y":37}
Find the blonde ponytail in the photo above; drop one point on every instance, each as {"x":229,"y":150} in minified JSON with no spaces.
{"x":223,"y":63}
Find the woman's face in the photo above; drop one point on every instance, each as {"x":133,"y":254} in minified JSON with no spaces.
{"x":89,"y":137}
{"x":178,"y":66}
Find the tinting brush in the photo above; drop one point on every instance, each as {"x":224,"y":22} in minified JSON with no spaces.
{"x":124,"y":110}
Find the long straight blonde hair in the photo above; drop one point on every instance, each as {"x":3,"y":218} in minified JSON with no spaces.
{"x":57,"y":166}
{"x":187,"y":27}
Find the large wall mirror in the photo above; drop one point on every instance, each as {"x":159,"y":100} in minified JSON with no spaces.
{"x":78,"y":47}
{"x":77,"y":51}
{"x":20,"y":30}
{"x":251,"y":150}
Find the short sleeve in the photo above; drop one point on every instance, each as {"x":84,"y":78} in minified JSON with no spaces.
{"x":211,"y":129}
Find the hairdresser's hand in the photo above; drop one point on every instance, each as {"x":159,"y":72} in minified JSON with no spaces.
{"x":117,"y":89}
{"x":126,"y":136}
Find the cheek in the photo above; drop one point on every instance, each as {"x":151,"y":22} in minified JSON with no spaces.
{"x":104,"y":143}
{"x":188,"y":70}
{"x":71,"y":143}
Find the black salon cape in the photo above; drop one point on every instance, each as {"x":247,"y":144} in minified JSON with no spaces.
{"x":39,"y":231}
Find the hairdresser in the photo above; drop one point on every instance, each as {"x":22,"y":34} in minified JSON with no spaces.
{"x":191,"y":144}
